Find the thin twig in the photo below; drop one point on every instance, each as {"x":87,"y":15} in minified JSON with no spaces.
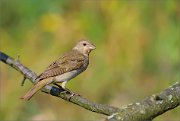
{"x":23,"y":81}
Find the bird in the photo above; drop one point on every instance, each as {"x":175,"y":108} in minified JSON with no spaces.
{"x":66,"y":67}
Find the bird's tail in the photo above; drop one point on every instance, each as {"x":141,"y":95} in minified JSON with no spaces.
{"x":34,"y":90}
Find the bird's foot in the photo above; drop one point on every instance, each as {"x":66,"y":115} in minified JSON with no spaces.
{"x":67,"y":91}
{"x":72,"y":94}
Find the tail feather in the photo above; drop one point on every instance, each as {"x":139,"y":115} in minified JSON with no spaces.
{"x":34,"y":90}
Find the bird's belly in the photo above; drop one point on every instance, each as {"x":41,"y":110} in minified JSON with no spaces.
{"x":67,"y":76}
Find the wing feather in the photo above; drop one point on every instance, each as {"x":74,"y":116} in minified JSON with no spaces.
{"x":70,"y":61}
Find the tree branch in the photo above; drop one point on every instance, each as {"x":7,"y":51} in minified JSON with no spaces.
{"x":145,"y":110}
{"x":151,"y":107}
{"x":58,"y":92}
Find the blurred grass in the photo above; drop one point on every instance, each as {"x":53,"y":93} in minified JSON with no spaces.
{"x":137,"y":53}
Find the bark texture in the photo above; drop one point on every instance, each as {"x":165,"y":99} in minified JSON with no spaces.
{"x":144,"y":110}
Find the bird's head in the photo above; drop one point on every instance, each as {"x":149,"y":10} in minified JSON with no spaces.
{"x":84,"y":46}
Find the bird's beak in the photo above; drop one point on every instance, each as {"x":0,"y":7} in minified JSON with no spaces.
{"x":92,"y":47}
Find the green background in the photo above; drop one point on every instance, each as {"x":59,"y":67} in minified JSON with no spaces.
{"x":137,"y":53}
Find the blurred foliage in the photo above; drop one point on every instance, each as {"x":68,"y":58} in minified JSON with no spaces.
{"x":137,"y":53}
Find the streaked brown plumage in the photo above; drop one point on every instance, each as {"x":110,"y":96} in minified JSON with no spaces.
{"x":65,"y":68}
{"x":64,"y":64}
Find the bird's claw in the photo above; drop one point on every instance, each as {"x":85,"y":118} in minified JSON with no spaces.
{"x":72,"y":94}
{"x":67,"y":91}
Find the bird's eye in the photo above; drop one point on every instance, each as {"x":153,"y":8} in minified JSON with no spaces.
{"x":84,"y":44}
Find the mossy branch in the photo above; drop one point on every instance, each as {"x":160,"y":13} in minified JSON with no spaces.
{"x":144,"y":110}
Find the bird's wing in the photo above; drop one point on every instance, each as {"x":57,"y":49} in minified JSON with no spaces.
{"x":70,"y":61}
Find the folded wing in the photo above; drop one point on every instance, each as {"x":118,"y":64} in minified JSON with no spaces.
{"x":69,"y":62}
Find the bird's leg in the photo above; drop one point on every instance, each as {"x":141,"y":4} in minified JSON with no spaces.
{"x":64,"y":84}
{"x":66,"y":90}
{"x":72,"y":93}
